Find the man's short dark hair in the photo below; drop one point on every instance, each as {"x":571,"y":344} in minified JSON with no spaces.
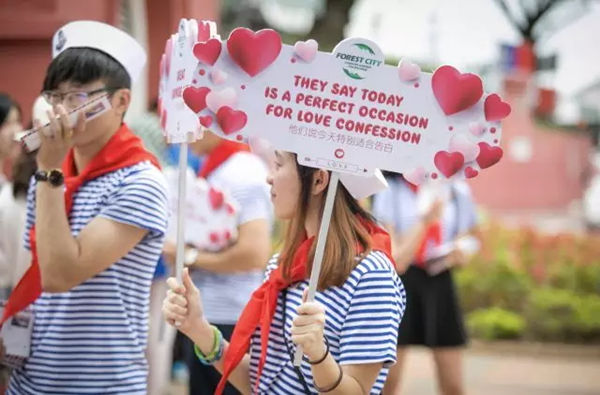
{"x":85,"y":65}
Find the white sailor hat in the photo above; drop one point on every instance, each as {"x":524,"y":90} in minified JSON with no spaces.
{"x":106,"y":38}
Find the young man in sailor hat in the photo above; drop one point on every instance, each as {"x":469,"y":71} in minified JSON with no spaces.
{"x":95,"y":225}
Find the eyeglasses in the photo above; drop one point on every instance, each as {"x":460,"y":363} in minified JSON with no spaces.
{"x":71,"y":99}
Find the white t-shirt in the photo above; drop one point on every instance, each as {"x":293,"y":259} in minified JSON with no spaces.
{"x":243,"y":176}
{"x":397,"y":205}
{"x":14,"y":258}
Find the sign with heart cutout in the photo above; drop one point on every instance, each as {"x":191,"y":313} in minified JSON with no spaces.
{"x":178,"y":106}
{"x":211,"y":213}
{"x":345,"y":111}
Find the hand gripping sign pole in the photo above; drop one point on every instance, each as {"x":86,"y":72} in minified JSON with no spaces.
{"x":344,"y":111}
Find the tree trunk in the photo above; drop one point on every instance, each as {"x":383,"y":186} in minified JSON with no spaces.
{"x":328,"y":30}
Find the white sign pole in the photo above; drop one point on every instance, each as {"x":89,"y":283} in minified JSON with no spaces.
{"x":182,"y":176}
{"x":183,"y":155}
{"x":321,"y":240}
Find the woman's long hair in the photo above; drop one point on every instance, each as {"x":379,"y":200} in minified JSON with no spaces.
{"x":346,"y":232}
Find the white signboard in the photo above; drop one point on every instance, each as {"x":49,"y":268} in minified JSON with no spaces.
{"x":345,"y":111}
{"x":178,"y":122}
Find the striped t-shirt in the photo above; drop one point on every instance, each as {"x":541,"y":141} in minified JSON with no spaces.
{"x":361,"y":327}
{"x":92,"y":339}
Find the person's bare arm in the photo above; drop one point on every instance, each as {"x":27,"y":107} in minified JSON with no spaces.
{"x":67,"y":261}
{"x":183,"y":309}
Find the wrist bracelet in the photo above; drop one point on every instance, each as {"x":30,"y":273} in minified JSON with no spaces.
{"x":324,"y":356}
{"x":217,"y":349}
{"x":334,"y":385}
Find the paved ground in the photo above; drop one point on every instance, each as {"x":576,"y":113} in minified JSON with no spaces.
{"x":508,"y":371}
{"x":493,"y":373}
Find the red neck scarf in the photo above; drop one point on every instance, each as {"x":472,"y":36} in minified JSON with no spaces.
{"x":260,"y":309}
{"x":124,"y":149}
{"x":220,"y":154}
{"x":432,"y":233}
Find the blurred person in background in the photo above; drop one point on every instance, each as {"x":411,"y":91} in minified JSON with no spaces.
{"x":426,"y":225}
{"x":227,"y":278}
{"x":147,"y":127}
{"x":10,"y":125}
{"x":12,"y":201}
{"x":13,"y":257}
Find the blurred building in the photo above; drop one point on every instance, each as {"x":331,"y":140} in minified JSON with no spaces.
{"x":545,"y":170}
{"x":27,"y":26}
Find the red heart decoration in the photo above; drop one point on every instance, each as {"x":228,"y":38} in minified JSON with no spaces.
{"x":214,"y":237}
{"x":168,"y":50}
{"x":203,"y":31}
{"x":216,"y":198}
{"x":253,"y":52}
{"x":195,"y":98}
{"x":227,"y":235}
{"x":206,"y":121}
{"x":488,"y":155}
{"x":230,"y":209}
{"x":454,"y":91}
{"x":448,"y":163}
{"x":495,"y":109}
{"x":470,"y":172}
{"x":208,"y":52}
{"x":231,"y":120}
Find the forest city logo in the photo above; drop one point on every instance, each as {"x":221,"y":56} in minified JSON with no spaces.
{"x":358,"y":57}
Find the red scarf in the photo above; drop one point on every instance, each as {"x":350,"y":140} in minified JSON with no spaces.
{"x":260,"y":309}
{"x":432,"y":233}
{"x":220,"y":154}
{"x":124,"y":149}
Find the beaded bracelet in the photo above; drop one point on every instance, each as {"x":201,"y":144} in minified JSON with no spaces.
{"x":217,"y":349}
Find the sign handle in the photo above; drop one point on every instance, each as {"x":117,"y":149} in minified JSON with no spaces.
{"x":181,"y":193}
{"x":320,"y":249}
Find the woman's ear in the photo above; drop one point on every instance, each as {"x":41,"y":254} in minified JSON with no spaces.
{"x":320,"y":181}
{"x":121,"y":100}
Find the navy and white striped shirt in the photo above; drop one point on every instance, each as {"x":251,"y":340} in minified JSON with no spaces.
{"x":362,"y":322}
{"x":92,"y":339}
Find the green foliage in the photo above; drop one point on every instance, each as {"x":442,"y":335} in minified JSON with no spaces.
{"x":495,"y":284}
{"x":562,"y":315}
{"x":495,"y":323}
{"x":551,"y":281}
